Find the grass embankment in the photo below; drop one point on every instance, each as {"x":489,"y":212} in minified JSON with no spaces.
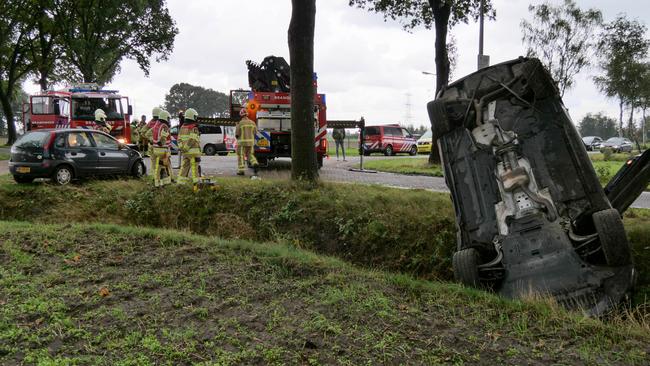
{"x":406,"y":231}
{"x":402,"y":230}
{"x":4,"y":156}
{"x":107,"y":295}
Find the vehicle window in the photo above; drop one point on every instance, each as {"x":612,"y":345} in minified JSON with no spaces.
{"x":207,"y":129}
{"x":60,"y":141}
{"x":32,"y":140}
{"x":78,"y":139}
{"x":84,"y":108}
{"x":42,"y":105}
{"x":64,"y":107}
{"x":105,"y":142}
{"x":427,"y":135}
{"x":394,"y":131}
{"x":372,"y":131}
{"x":406,"y":133}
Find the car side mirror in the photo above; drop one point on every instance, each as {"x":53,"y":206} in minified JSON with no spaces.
{"x":130,"y":110}
{"x":57,"y":109}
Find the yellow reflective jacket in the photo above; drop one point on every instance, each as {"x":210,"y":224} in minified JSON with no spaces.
{"x":189,"y":140}
{"x":245,"y":132}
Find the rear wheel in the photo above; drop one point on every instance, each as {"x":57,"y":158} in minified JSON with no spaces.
{"x":23,"y":179}
{"x":138,"y":170}
{"x":210,"y":150}
{"x":63,"y":175}
{"x":414,"y":150}
{"x":613,"y":240}
{"x":465,"y":263}
{"x":388,"y":151}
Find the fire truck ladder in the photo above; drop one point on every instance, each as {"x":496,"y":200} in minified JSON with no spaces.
{"x":361,"y":125}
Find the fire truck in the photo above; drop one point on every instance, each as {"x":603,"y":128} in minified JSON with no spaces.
{"x":269,"y":105}
{"x":74,"y":107}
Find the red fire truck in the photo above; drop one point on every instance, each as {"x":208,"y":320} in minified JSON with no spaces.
{"x":75,"y":107}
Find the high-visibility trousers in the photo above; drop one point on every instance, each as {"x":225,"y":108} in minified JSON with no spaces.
{"x":189,"y":165}
{"x":245,"y":151}
{"x":161,"y":163}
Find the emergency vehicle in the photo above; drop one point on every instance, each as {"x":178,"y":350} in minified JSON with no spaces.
{"x":389,"y":140}
{"x":74,"y":107}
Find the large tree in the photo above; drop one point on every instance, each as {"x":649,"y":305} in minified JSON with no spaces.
{"x":207,"y":102}
{"x":98,"y":34}
{"x":301,"y":53}
{"x":597,"y":125}
{"x":46,"y":49}
{"x":440,"y":14}
{"x":622,"y":45}
{"x":563,"y":37}
{"x":16,"y":40}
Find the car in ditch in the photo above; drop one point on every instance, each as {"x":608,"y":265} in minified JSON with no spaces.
{"x":67,"y":154}
{"x":532,"y":217}
{"x":592,"y":143}
{"x":617,"y":144}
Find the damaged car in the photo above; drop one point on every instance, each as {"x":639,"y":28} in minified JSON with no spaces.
{"x":532,"y":217}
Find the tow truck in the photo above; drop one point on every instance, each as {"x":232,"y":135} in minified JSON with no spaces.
{"x":74,"y":107}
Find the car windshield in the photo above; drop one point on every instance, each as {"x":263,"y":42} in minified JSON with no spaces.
{"x":84,"y":108}
{"x":426,"y":136}
{"x":32,"y":140}
{"x":588,"y":139}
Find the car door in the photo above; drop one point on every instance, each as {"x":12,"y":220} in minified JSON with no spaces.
{"x":407,"y":140}
{"x":397,"y":138}
{"x":79,"y":149}
{"x":112,"y":158}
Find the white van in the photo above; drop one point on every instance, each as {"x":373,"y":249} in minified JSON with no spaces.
{"x":214,"y":139}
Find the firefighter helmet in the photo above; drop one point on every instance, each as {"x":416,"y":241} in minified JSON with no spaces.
{"x":164,"y":116}
{"x":155,"y":113}
{"x":191,"y":114}
{"x":100,"y":115}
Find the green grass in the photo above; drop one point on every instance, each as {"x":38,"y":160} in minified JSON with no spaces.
{"x":414,"y":166}
{"x":5,"y":156}
{"x":109,"y":295}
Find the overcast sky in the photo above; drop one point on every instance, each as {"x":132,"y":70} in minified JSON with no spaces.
{"x":366,"y":67}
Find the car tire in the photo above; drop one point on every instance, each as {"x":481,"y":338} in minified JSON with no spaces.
{"x":23,"y":179}
{"x":613,"y":241}
{"x":210,"y":150}
{"x":223,"y":153}
{"x":414,"y":151}
{"x":465,"y":264}
{"x":63,"y":174}
{"x":389,"y":151}
{"x":440,"y":124}
{"x":138,"y":170}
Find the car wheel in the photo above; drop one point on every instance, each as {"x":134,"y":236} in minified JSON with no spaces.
{"x":223,"y":153}
{"x":613,"y":240}
{"x":63,"y":175}
{"x":210,"y":150}
{"x":138,"y":170}
{"x":414,"y":150}
{"x":465,"y":263}
{"x":388,"y":151}
{"x":23,"y":179}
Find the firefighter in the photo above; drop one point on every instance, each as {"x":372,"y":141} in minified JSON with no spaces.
{"x":245,"y":133}
{"x":100,"y":121}
{"x":143,"y":143}
{"x":160,"y":139}
{"x":145,"y":136}
{"x":189,"y":144}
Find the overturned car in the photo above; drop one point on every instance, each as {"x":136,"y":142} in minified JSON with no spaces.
{"x":532,"y":217}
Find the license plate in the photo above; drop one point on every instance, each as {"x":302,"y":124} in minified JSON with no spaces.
{"x":22,"y":169}
{"x":263,"y":142}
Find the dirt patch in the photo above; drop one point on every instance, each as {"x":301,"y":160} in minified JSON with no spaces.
{"x":103,"y":295}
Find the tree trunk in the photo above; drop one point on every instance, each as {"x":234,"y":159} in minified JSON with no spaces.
{"x":620,"y":117}
{"x":630,"y":124}
{"x":5,"y":100}
{"x":43,"y":80}
{"x":441,"y":12}
{"x":301,"y":54}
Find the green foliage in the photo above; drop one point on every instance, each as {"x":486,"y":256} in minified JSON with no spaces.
{"x":405,"y":166}
{"x":607,"y":153}
{"x":208,"y":102}
{"x":97,"y":35}
{"x":562,"y":37}
{"x":597,"y":125}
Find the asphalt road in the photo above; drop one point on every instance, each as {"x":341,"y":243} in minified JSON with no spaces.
{"x":334,"y":171}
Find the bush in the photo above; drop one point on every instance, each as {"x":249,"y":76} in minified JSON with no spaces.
{"x":607,"y":153}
